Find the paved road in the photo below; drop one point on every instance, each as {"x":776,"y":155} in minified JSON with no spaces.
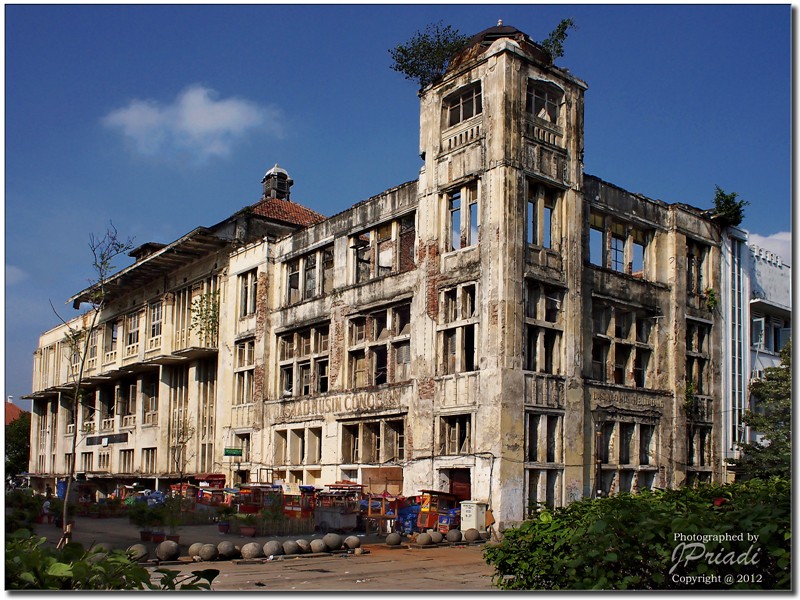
{"x":458,"y":568}
{"x":383,"y":569}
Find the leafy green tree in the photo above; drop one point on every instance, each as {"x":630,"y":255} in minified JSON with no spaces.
{"x":772,"y":455}
{"x":554,"y":44}
{"x":18,"y":444}
{"x":425,"y":57}
{"x":639,"y":542}
{"x":727,"y":209}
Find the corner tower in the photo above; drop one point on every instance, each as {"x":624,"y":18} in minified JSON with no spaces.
{"x":501,"y":215}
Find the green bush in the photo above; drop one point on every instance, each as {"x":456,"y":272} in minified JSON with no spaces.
{"x":646,"y":541}
{"x":30,"y":565}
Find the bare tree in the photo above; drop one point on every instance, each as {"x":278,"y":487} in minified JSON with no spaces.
{"x":105,"y":249}
{"x":181,"y":452}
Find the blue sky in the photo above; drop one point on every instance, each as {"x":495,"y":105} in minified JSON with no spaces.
{"x":163,"y":118}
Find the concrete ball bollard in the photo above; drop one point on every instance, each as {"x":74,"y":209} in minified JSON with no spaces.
{"x":194,"y":549}
{"x":317,"y":545}
{"x":227,"y":550}
{"x":472,"y":535}
{"x":290,"y":547}
{"x":424,"y":539}
{"x":304,"y":545}
{"x":168,"y":550}
{"x":393,"y":539}
{"x":138,"y":553}
{"x":252,"y":550}
{"x":352,"y":542}
{"x":332,"y":540}
{"x":436,"y":537}
{"x":209,"y":552}
{"x":273,"y":548}
{"x":454,"y":535}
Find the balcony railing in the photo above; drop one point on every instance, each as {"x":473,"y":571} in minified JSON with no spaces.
{"x":131,"y":350}
{"x":151,"y":418}
{"x":107,"y":424}
{"x":110,"y":357}
{"x":71,"y":429}
{"x":88,"y":427}
{"x":154,"y":343}
{"x":129,"y":421}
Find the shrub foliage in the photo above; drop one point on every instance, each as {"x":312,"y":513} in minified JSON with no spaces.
{"x":31,"y":565}
{"x":646,"y":541}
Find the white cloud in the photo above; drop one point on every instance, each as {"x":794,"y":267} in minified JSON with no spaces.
{"x":197,"y":123}
{"x":14,"y":275}
{"x":780,"y":243}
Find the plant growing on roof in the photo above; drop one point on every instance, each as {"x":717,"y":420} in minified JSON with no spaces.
{"x":425,"y":57}
{"x":554,"y":43}
{"x":727,"y":209}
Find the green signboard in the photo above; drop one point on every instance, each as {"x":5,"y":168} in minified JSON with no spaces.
{"x":233,"y":452}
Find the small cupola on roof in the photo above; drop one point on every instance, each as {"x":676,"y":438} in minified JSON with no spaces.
{"x":277,"y":183}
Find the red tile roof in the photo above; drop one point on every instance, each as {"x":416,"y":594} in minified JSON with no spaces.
{"x":287,"y":211}
{"x":12,"y":412}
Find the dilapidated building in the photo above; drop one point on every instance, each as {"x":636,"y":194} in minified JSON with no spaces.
{"x":504,"y":327}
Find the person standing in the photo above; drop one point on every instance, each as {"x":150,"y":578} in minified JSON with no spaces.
{"x":46,"y":514}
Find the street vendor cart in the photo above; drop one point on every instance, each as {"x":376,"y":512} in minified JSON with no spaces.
{"x":337,"y":507}
{"x":381,"y":513}
{"x":438,"y":511}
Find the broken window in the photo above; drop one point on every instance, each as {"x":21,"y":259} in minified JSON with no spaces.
{"x":402,"y":366}
{"x":408,"y":239}
{"x":303,"y":361}
{"x":543,"y":327}
{"x":310,"y":277}
{"x":244,"y":372}
{"x":464,"y":104}
{"x":696,"y":254}
{"x":542,"y":226}
{"x":293,"y":281}
{"x":597,"y":240}
{"x":379,"y":333}
{"x":350,"y":444}
{"x":455,"y":434}
{"x":544,"y":488}
{"x":247,"y":293}
{"x":599,"y":358}
{"x":640,"y":364}
{"x":463,"y":227}
{"x":617,"y":245}
{"x":327,"y":270}
{"x":542,"y":100}
{"x":395,"y":446}
{"x":645,"y":443}
{"x":374,"y":251}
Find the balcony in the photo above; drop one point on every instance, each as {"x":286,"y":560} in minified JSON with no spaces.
{"x":129,"y":421}
{"x":107,"y":424}
{"x":131,"y":351}
{"x":88,"y":427}
{"x":151,"y":418}
{"x":154,"y":343}
{"x":110,"y":357}
{"x":71,"y":429}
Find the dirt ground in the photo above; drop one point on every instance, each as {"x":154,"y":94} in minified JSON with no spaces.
{"x":404,"y":569}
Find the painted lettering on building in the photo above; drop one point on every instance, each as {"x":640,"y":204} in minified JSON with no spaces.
{"x":634,"y":400}
{"x":345,"y":404}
